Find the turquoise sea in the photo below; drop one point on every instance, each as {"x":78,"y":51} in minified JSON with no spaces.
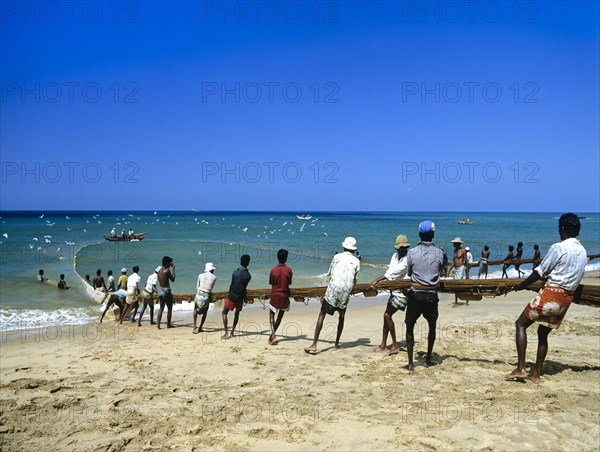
{"x":72,"y":243}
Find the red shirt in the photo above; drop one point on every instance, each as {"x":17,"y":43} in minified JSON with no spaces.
{"x":280,"y":280}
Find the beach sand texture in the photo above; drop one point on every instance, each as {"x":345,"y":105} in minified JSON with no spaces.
{"x":100,"y":387}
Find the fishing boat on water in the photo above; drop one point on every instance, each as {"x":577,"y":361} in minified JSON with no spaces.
{"x":127,"y":238}
{"x":465,"y":221}
{"x":304,"y":217}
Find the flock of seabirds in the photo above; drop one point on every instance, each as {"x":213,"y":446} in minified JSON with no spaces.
{"x":561,"y":269}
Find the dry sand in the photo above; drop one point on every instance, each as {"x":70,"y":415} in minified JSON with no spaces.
{"x":102,"y":387}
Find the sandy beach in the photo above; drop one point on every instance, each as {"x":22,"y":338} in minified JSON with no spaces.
{"x":104,"y":387}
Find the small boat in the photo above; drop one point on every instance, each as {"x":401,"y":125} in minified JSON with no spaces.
{"x":465,"y":221}
{"x":127,"y":238}
{"x":304,"y":217}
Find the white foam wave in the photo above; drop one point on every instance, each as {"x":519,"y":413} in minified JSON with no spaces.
{"x":12,"y":319}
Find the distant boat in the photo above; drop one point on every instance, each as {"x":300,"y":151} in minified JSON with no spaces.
{"x":134,"y":238}
{"x":304,"y":217}
{"x":465,"y":221}
{"x":582,"y":218}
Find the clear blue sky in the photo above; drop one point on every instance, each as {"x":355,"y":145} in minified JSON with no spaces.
{"x":362,"y":106}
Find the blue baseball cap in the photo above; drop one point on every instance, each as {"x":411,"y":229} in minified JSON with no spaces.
{"x":426,"y":226}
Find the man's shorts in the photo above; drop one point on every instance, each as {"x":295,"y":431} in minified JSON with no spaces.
{"x":202,"y":301}
{"x":549,"y":307}
{"x":398,"y":301}
{"x":421,"y":303}
{"x":231,"y":305}
{"x":458,"y":272}
{"x":165,"y":296}
{"x":330,"y":309}
{"x":131,"y":297}
{"x":483,"y":266}
{"x":147,"y":297}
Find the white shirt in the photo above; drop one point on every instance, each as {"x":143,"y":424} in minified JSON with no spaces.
{"x":564,"y":264}
{"x":341,"y":277}
{"x":206,"y":282}
{"x":151,"y":281}
{"x":469,"y":257}
{"x":133,"y":282}
{"x":397,"y":269}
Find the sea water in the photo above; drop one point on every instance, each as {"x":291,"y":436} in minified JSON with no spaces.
{"x":73,"y":243}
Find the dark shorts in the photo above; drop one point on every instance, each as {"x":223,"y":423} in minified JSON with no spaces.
{"x":330,"y":309}
{"x":231,"y":305}
{"x":422,"y":303}
{"x":165,"y":296}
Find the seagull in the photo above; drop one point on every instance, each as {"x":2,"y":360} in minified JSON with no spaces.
{"x":5,"y":235}
{"x":42,"y":216}
{"x":85,"y":230}
{"x":325,"y":234}
{"x":67,"y":217}
{"x":245,"y":229}
{"x":47,"y":236}
{"x":35,"y":239}
{"x":199,"y":253}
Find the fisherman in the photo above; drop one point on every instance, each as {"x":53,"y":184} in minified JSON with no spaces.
{"x":341,"y":278}
{"x":62,"y":284}
{"x":113,"y":233}
{"x":88,"y":280}
{"x":148,"y":296}
{"x":118,"y":299}
{"x":280,"y":279}
{"x":99,"y":283}
{"x":425,"y":265}
{"x":123,"y":234}
{"x":469,"y":260}
{"x":458,"y":264}
{"x":396,"y":270}
{"x":204,"y":286}
{"x":518,"y":256}
{"x":122,"y":283}
{"x":166,"y":274}
{"x":509,"y":257}
{"x":41,"y":277}
{"x":537,"y":256}
{"x":133,"y":290}
{"x":237,"y":295}
{"x":483,"y":263}
{"x":110,"y":281}
{"x":562,"y":268}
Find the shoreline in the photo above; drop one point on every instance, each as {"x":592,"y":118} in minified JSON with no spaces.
{"x":133,"y":388}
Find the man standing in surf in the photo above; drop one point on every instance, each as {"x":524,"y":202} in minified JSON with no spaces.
{"x":341,"y":278}
{"x":425,"y":266}
{"x":563,"y":268}
{"x":237,"y":295}
{"x":165,"y":275}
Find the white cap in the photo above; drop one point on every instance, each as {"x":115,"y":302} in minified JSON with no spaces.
{"x":467,"y":249}
{"x":349,"y":243}
{"x":209,"y":266}
{"x":123,"y":270}
{"x":158,"y":269}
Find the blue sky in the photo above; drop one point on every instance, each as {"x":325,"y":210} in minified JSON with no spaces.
{"x":300,"y":106}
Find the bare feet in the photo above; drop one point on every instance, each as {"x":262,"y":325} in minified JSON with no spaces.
{"x":170,"y":326}
{"x":517,"y":374}
{"x":410,"y":368}
{"x":195,"y":331}
{"x":337,"y":348}
{"x":393,"y":351}
{"x":152,"y":323}
{"x":227,"y":336}
{"x":158,"y":326}
{"x":381,"y":348}
{"x":312,"y":350}
{"x":427,"y":364}
{"x":534,"y":378}
{"x":139,"y":324}
{"x":273,"y":341}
